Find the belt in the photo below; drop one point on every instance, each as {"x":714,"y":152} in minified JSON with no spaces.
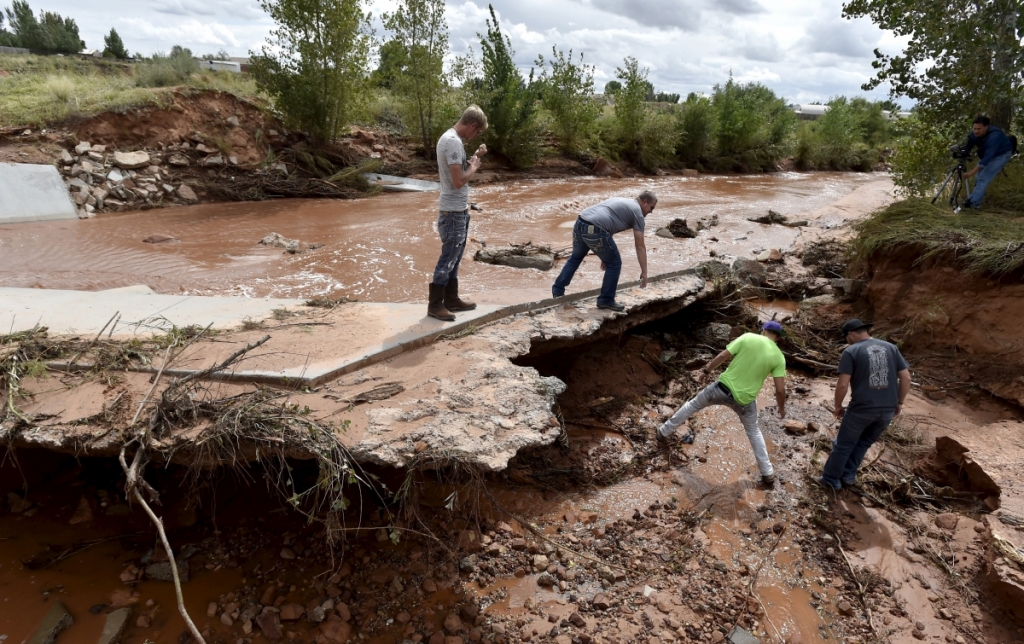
{"x":722,"y":386}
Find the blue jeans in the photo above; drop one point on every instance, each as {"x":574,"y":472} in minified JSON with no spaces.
{"x":985,"y":177}
{"x":858,"y":432}
{"x":587,"y":238}
{"x":453,"y":227}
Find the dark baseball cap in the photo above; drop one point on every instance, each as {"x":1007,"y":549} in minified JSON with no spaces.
{"x":773,"y":326}
{"x":855,"y":325}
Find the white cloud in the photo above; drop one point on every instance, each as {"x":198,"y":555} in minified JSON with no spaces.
{"x":802,"y":51}
{"x":189,"y":31}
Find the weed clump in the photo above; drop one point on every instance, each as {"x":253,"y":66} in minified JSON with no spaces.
{"x":986,"y":242}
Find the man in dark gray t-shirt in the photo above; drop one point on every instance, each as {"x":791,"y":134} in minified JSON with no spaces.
{"x":593,"y":233}
{"x":880,"y":378}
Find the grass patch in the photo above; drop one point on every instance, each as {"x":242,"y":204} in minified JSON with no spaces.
{"x":40,"y":90}
{"x":986,"y":242}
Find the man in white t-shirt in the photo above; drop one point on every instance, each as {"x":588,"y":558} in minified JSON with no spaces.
{"x":453,"y":219}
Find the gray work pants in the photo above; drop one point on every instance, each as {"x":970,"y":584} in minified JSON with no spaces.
{"x":716,"y":394}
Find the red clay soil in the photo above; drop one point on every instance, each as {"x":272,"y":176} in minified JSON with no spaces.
{"x":973,"y":322}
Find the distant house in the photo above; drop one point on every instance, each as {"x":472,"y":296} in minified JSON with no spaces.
{"x":815,"y":112}
{"x":243,"y":62}
{"x":220,"y":66}
{"x":91,"y":53}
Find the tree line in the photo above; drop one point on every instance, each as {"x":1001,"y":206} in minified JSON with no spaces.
{"x":49,"y":33}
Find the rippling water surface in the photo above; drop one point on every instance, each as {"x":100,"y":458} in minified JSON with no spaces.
{"x":383,"y":248}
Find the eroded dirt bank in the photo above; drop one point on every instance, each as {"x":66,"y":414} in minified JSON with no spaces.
{"x":601,"y":537}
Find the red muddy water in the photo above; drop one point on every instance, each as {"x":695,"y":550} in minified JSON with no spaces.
{"x":383,"y":248}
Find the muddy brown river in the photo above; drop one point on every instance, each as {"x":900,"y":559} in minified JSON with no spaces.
{"x":383,"y":248}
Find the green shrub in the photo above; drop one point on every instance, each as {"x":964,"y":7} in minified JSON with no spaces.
{"x":567,"y":95}
{"x":60,"y":88}
{"x":631,"y":105}
{"x":510,"y":105}
{"x":657,"y":141}
{"x":696,"y":130}
{"x":314,"y":64}
{"x":806,"y":148}
{"x":753,"y":128}
{"x":166,"y":70}
{"x":920,"y":156}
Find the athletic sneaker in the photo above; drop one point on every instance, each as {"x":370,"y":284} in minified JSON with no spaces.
{"x":614,"y":306}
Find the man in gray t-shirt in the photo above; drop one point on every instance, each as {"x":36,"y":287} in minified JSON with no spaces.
{"x":453,"y":217}
{"x":880,"y":378}
{"x":593,"y":233}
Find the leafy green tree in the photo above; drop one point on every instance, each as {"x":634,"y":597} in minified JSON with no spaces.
{"x":391,"y":66}
{"x":113,"y":45}
{"x":314,"y":63}
{"x":567,"y":92}
{"x":25,"y":31}
{"x":420,"y":29}
{"x":753,"y":126}
{"x":510,"y":105}
{"x":962,"y":56}
{"x":50,"y":32}
{"x":696,"y":125}
{"x":630,"y":108}
{"x":612,"y":87}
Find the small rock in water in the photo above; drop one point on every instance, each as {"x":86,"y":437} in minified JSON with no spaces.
{"x":159,"y":239}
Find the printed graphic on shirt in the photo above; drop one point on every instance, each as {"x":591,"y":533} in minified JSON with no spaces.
{"x":878,"y":358}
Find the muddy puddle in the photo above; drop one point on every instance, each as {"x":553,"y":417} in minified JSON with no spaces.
{"x":383,"y":248}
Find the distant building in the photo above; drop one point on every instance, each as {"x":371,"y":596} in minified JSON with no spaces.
{"x":243,"y":62}
{"x":220,"y":66}
{"x":815,"y":112}
{"x":91,"y":53}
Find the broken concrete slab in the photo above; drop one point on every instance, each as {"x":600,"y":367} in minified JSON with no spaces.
{"x":85,"y":312}
{"x":56,"y":620}
{"x":462,"y":395}
{"x":113,"y":629}
{"x":33,"y":193}
{"x":517,"y":256}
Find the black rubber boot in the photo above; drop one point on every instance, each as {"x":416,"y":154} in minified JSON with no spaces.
{"x":435,"y":306}
{"x":451,"y":298}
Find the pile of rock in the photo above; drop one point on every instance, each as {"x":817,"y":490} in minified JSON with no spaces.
{"x":109,"y":180}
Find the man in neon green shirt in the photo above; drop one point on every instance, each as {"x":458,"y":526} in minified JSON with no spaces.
{"x":753,"y":357}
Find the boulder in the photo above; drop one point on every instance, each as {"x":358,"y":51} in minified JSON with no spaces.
{"x":604,"y":169}
{"x":66,"y":158}
{"x":270,"y":624}
{"x":233,"y":121}
{"x":178,"y":160}
{"x":750,"y":272}
{"x":82,"y":148}
{"x":214,"y":161}
{"x":335,"y":631}
{"x":947,"y":521}
{"x":678,"y":228}
{"x":291,"y":612}
{"x":771,"y":255}
{"x":795,"y":427}
{"x":716,"y":334}
{"x":187,"y":194}
{"x":131,"y":160}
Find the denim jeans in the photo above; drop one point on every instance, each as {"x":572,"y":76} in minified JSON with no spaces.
{"x":453,"y":227}
{"x":985,"y":177}
{"x":858,"y":432}
{"x":587,"y":238}
{"x":716,"y":394}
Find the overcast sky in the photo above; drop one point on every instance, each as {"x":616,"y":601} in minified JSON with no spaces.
{"x":805,"y":51}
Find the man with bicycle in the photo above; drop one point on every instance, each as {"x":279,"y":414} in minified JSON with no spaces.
{"x":994,"y":150}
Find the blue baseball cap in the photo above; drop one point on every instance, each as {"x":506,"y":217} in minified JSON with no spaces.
{"x":773,"y":326}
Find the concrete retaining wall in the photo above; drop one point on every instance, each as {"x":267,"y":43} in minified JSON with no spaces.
{"x":33,"y":193}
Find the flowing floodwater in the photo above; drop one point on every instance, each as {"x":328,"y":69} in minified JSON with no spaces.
{"x":383,"y":248}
